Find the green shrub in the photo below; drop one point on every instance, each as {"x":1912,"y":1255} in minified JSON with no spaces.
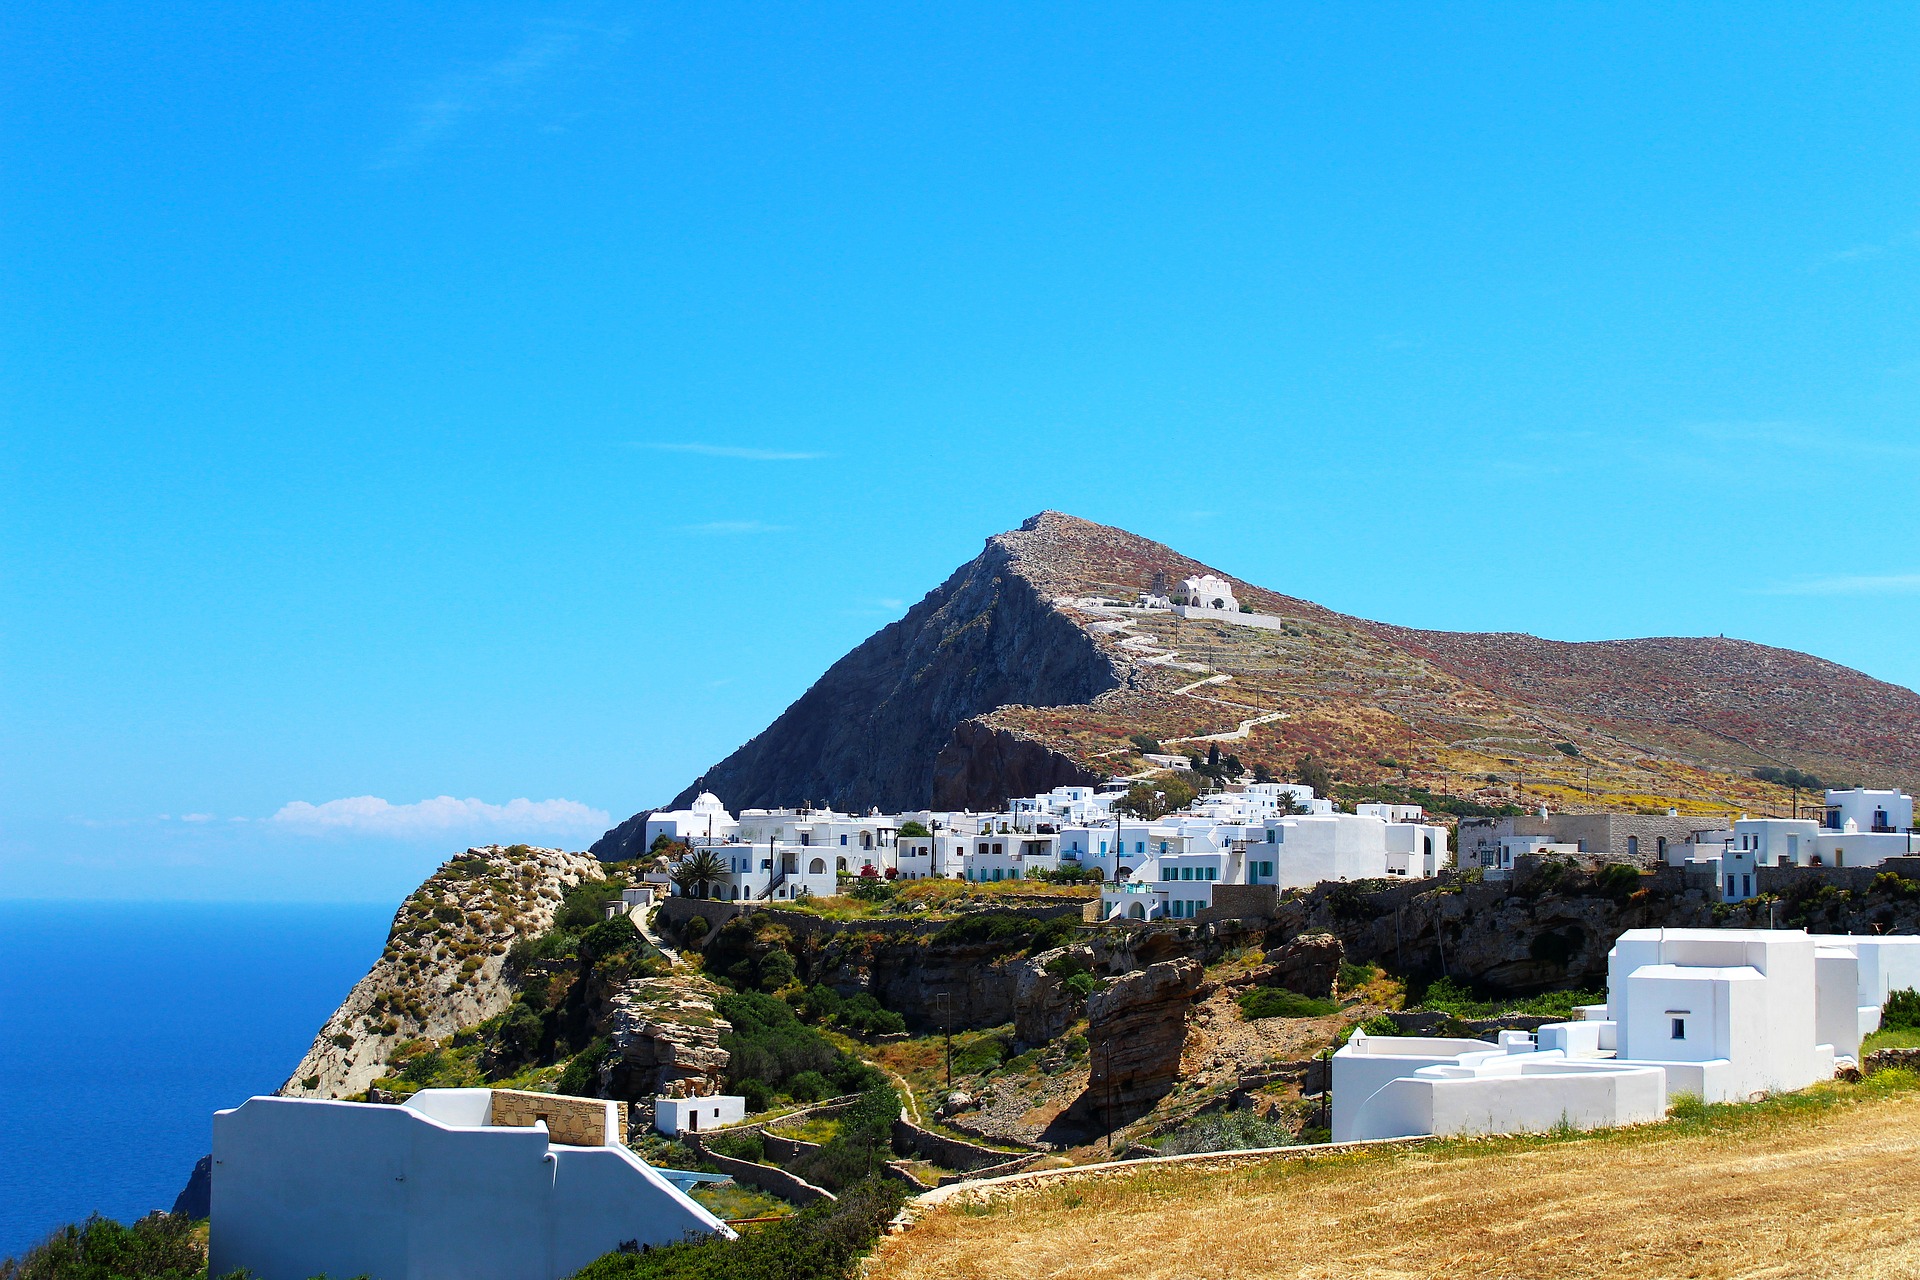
{"x":982,"y":1053}
{"x":696,"y":928}
{"x":747,"y":1144}
{"x":1226,"y":1131}
{"x":809,"y":1086}
{"x":1356,"y":975}
{"x":582,"y":1075}
{"x":160,"y":1246}
{"x":768,"y":1043}
{"x":913,"y":828}
{"x":1901,"y":1011}
{"x":860,"y":1146}
{"x":1003,"y":927}
{"x":1278,"y":1002}
{"x":758,"y":1096}
{"x":822,"y":1242}
{"x":1617,"y":879}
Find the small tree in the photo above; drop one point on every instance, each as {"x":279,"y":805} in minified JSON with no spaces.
{"x":1145,"y":745}
{"x":913,"y":828}
{"x":1313,"y":772}
{"x":696,"y":871}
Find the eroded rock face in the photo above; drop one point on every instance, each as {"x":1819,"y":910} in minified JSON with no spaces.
{"x":667,"y":1038}
{"x":1308,"y":964}
{"x":1136,"y":1029}
{"x":1043,"y":1008}
{"x":441,"y":968}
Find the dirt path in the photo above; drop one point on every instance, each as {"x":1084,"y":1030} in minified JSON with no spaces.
{"x":1829,"y":1193}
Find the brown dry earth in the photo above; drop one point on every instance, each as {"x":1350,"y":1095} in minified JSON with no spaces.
{"x":1835,"y":1194}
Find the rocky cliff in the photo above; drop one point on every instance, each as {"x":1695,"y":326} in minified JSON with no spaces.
{"x":1019,"y":673}
{"x":441,"y":968}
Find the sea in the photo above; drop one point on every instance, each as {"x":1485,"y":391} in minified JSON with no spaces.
{"x":125,"y":1026}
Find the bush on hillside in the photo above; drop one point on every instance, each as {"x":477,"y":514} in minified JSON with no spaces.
{"x":160,"y":1246}
{"x":1901,"y":1011}
{"x":861,"y":1144}
{"x":1278,"y":1002}
{"x":1226,"y":1131}
{"x":822,"y":1242}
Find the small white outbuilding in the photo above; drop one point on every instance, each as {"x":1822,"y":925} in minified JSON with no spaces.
{"x":675,"y":1116}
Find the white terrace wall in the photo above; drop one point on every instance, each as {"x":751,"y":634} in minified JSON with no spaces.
{"x":304,"y":1188}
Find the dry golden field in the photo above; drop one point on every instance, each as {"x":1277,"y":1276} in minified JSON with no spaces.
{"x":1822,"y":1184}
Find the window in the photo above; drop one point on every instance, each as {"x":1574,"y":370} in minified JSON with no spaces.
{"x":1679,"y":1028}
{"x":1746,"y":885}
{"x":1186,"y":873}
{"x":843,"y":839}
{"x":998,"y":848}
{"x":1661,"y":846}
{"x":1633,"y":847}
{"x":1167,"y":873}
{"x":1729,"y":886}
{"x":1139,"y":846}
{"x":1213,"y":873}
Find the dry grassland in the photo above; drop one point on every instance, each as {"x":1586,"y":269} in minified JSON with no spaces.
{"x":1826,"y":1185}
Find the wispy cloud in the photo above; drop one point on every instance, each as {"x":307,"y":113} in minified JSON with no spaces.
{"x":370,"y":815}
{"x":1872,"y":249}
{"x":736,"y":526}
{"x":1902,"y":584}
{"x":453,"y":100}
{"x":730,"y":451}
{"x":1800,"y":437}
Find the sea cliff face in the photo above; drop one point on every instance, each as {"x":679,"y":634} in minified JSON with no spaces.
{"x":441,"y":968}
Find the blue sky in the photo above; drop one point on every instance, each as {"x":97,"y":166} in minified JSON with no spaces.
{"x":521,"y":403}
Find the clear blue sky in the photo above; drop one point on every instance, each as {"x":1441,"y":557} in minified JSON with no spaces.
{"x":518,"y":402}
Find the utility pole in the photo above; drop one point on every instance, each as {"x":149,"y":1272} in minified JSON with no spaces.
{"x":945,"y":1000}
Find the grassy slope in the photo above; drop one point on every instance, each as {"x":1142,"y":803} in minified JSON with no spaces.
{"x":1822,"y":1181}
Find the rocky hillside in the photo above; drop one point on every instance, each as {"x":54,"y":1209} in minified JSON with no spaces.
{"x":1013,"y":676}
{"x":441,"y":968}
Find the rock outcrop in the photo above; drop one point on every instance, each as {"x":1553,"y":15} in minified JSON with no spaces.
{"x":1136,"y":1029}
{"x":1043,"y":1007}
{"x":666,"y":1039}
{"x":441,"y":968}
{"x":1308,"y":964}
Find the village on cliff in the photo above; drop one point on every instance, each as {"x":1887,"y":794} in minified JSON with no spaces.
{"x":1182,"y":883}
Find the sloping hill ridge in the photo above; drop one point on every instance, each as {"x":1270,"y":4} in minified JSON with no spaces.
{"x":1008,"y":679}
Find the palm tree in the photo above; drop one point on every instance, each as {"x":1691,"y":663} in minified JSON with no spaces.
{"x":694,"y":872}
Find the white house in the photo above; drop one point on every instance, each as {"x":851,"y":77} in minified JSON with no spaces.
{"x":431,"y":1189}
{"x":705,"y":819}
{"x":1206,"y":592}
{"x":1171,"y":866}
{"x":675,"y":1116}
{"x":1721,"y":1014}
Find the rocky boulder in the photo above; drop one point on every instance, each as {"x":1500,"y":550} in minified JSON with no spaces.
{"x":1043,"y":1007}
{"x":1308,"y":964}
{"x":1136,"y":1029}
{"x":666,"y":1038}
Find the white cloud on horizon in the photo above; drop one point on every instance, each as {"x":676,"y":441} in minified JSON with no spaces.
{"x":729,"y":451}
{"x":371,"y":815}
{"x":1851,"y":585}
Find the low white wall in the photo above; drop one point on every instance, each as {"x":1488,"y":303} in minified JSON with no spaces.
{"x":304,"y":1187}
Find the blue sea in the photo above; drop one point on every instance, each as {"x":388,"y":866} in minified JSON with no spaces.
{"x":124,"y":1026}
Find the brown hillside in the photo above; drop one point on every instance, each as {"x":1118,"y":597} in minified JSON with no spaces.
{"x":1010,"y":677}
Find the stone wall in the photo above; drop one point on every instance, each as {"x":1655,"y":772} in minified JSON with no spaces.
{"x":950,"y":1153}
{"x":1602,"y":835}
{"x":1241,"y":902}
{"x":775,"y":1182}
{"x":572,"y":1122}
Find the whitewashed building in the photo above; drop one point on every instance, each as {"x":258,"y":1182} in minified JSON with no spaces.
{"x":1720,"y":1014}
{"x":705,"y":819}
{"x":427,"y":1190}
